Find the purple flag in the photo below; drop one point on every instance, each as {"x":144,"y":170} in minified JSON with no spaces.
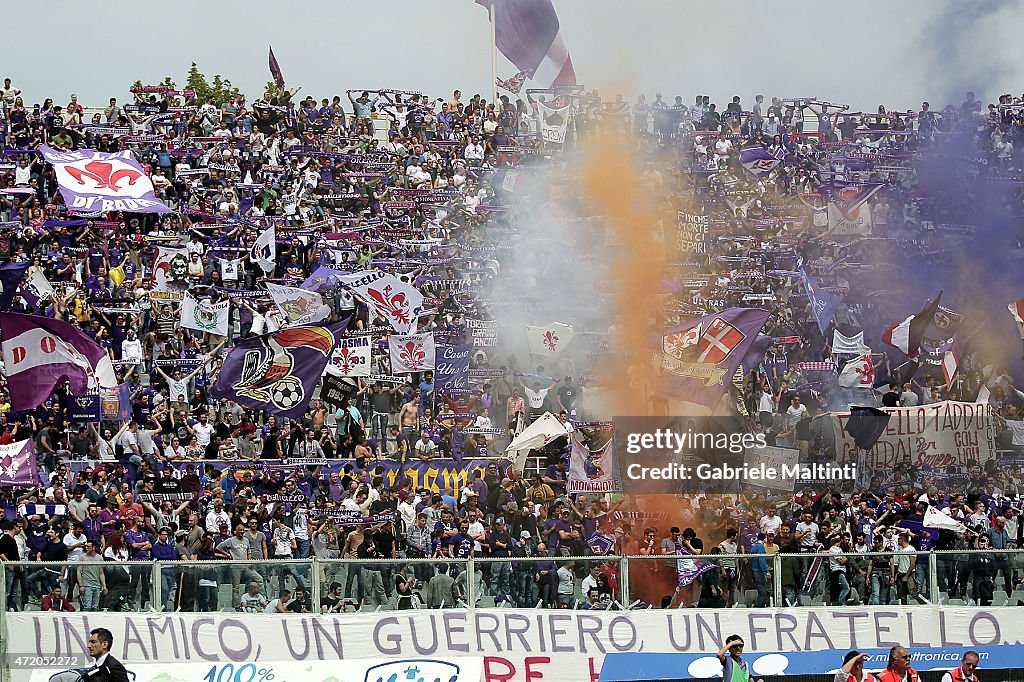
{"x":689,"y":570}
{"x":451,"y":366}
{"x":824,"y":303}
{"x":757,"y":160}
{"x":275,"y":70}
{"x":278,"y":372}
{"x":18,"y":464}
{"x":699,"y":358}
{"x":755,"y":355}
{"x":528,"y":34}
{"x":41,"y":353}
{"x":96,"y":181}
{"x":10,"y":277}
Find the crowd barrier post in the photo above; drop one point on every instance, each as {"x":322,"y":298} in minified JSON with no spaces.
{"x":933,"y":578}
{"x":623,"y":582}
{"x":156,"y":585}
{"x":777,"y":579}
{"x":471,"y":583}
{"x":314,"y":583}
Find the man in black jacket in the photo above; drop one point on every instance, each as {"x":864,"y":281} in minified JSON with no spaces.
{"x":106,"y":668}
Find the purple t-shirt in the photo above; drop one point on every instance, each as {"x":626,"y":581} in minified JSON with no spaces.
{"x":462,"y":545}
{"x":133,"y":536}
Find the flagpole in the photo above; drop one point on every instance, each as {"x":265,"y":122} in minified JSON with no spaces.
{"x":494,"y":57}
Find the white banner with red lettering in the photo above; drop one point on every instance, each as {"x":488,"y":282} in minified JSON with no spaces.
{"x":517,"y":645}
{"x":939,"y":435}
{"x":412,"y":353}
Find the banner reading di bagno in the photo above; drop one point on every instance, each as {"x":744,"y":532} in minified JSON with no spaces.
{"x":97,"y":181}
{"x":939,"y":435}
{"x":518,"y":645}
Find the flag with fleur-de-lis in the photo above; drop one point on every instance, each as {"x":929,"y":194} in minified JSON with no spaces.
{"x":550,"y":340}
{"x":18,"y":464}
{"x":412,"y":352}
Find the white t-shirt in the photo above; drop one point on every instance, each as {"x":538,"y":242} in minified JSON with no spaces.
{"x":795,"y":413}
{"x":203,"y":433}
{"x":1017,"y":427}
{"x":131,"y":349}
{"x":810,"y":531}
{"x":283,"y":536}
{"x":425,"y":448}
{"x":70,"y":539}
{"x":770,"y":524}
{"x":536,"y":398}
{"x":177,"y":387}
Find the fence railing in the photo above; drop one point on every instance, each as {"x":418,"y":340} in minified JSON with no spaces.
{"x":989,"y":577}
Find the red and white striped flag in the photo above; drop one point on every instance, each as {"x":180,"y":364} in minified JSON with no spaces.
{"x":1017,"y":310}
{"x":528,"y":34}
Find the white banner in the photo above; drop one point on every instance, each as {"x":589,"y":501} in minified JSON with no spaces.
{"x":853,"y":222}
{"x":773,"y":458}
{"x":449,"y":669}
{"x":517,"y":645}
{"x":412,"y":353}
{"x":298,"y":305}
{"x":847,"y":344}
{"x":170,"y":273}
{"x":203,"y":316}
{"x":938,"y":435}
{"x":593,"y":471}
{"x":264,"y":251}
{"x":352,"y":357}
{"x":553,"y":122}
{"x":396,"y":301}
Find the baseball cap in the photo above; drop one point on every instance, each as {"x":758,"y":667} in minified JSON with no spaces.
{"x":500,"y":521}
{"x":524,"y":534}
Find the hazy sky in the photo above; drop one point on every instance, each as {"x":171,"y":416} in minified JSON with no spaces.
{"x":863,"y":54}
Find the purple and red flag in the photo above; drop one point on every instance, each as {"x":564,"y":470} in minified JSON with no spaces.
{"x":528,"y":34}
{"x":700,"y":357}
{"x":41,"y":353}
{"x":18,"y":465}
{"x":93,"y":181}
{"x":278,"y":372}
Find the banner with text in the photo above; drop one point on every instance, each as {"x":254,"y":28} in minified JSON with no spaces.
{"x":936,"y":435}
{"x":517,"y":645}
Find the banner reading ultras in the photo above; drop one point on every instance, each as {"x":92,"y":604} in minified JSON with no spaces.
{"x":689,"y":455}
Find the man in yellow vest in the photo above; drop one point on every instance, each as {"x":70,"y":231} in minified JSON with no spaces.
{"x":965,"y":673}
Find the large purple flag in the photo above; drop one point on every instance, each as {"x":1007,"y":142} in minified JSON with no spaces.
{"x":18,"y":464}
{"x":278,"y":372}
{"x":96,"y":181}
{"x":42,"y":353}
{"x":758,"y":160}
{"x":699,"y":358}
{"x":528,"y":34}
{"x":275,"y":70}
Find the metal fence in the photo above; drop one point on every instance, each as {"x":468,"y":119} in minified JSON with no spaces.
{"x":969,"y":577}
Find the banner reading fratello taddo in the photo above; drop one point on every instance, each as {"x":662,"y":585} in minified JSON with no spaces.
{"x":513,"y":645}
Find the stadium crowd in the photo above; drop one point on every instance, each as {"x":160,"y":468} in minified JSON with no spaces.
{"x":182,"y":479}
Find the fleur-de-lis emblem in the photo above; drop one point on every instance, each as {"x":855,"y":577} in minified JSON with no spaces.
{"x":550,"y":340}
{"x":344,"y":360}
{"x":412,"y":354}
{"x":392,"y":304}
{"x":103,"y":174}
